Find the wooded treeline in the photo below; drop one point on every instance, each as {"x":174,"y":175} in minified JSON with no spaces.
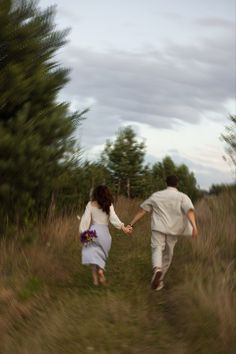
{"x":40,"y":159}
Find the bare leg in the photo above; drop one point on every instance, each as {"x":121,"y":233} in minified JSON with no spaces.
{"x":94,"y":274}
{"x":101,"y":276}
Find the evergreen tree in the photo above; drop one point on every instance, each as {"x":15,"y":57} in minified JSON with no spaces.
{"x":35,"y":129}
{"x":76,"y":184}
{"x":161,"y":170}
{"x":230,"y":139}
{"x":124,"y":159}
{"x":187,"y":180}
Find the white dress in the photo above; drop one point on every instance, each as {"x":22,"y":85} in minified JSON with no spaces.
{"x":95,"y":218}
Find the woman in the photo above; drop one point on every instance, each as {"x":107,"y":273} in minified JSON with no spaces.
{"x":99,"y":211}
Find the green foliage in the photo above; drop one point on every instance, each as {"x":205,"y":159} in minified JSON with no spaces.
{"x":36,"y":145}
{"x":187,"y":180}
{"x":32,"y":286}
{"x":124,"y":159}
{"x":128,"y":176}
{"x":217,"y":189}
{"x":161,"y":170}
{"x":230,"y":139}
{"x":39,"y":164}
{"x":77,"y":184}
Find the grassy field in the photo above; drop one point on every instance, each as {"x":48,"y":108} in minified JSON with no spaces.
{"x":48,"y":303}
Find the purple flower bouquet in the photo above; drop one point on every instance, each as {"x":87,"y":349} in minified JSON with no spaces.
{"x":88,"y":236}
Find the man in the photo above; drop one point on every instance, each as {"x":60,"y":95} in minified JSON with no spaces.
{"x":171,"y":210}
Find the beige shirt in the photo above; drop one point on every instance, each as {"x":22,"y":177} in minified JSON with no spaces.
{"x":95,"y":215}
{"x":169,"y":208}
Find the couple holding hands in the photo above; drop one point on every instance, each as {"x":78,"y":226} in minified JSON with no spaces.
{"x":172,"y":214}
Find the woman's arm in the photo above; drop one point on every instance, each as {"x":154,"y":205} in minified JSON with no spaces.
{"x":117,"y":223}
{"x":85,"y":219}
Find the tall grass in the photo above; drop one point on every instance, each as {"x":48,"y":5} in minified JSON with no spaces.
{"x":48,"y":303}
{"x":204,"y":302}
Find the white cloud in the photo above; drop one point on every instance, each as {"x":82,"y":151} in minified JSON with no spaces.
{"x":167,"y":68}
{"x":160,"y":88}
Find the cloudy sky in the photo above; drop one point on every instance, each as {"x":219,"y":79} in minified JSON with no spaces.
{"x":167,"y":68}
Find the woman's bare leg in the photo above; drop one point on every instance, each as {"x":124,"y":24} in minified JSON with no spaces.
{"x":101,"y":276}
{"x":94,"y":274}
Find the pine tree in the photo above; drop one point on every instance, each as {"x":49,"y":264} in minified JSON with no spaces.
{"x":35,"y":128}
{"x":124,"y":159}
{"x":187,"y":180}
{"x":229,"y":138}
{"x":161,"y":170}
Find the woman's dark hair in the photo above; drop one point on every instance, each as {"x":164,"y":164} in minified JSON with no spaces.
{"x":102,"y":195}
{"x":172,"y":181}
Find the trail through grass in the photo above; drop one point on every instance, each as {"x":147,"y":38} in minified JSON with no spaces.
{"x":48,"y":303}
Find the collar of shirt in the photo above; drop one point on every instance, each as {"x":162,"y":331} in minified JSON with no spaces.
{"x":174,"y":188}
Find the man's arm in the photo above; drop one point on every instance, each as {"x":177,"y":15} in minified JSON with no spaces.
{"x":191,"y":218}
{"x":138,"y":216}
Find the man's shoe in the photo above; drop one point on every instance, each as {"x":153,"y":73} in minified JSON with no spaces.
{"x":156,"y":278}
{"x":160,"y":286}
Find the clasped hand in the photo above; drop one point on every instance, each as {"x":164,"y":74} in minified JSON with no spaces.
{"x":127,"y":229}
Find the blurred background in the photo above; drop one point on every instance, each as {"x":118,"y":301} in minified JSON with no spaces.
{"x":123,"y":94}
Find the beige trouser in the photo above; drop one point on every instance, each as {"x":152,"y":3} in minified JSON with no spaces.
{"x":162,"y":250}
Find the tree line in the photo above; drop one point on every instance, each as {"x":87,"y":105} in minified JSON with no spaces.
{"x":40,"y":159}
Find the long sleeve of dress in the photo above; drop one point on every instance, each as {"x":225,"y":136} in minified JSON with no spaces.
{"x":86,"y":219}
{"x":114,"y":218}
